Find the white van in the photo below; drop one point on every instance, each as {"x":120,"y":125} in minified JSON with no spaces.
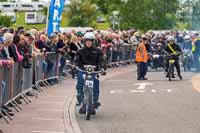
{"x":34,"y":18}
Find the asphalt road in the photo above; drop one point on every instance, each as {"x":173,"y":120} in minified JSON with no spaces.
{"x":153,"y":106}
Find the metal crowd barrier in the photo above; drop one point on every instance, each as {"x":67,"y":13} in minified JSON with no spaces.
{"x":2,"y":90}
{"x":16,"y":81}
{"x":121,"y":56}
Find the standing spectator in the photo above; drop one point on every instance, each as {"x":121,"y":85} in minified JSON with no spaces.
{"x":41,"y":43}
{"x":197,"y":54}
{"x":74,"y":47}
{"x":80,"y":39}
{"x":51,"y":57}
{"x":141,"y":59}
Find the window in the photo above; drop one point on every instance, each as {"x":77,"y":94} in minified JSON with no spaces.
{"x":40,"y":5}
{"x":27,"y":6}
{"x":30,"y":16}
{"x":6,"y":5}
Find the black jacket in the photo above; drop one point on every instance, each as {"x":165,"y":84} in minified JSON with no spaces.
{"x":89,"y":56}
{"x":176,"y":48}
{"x":3,"y":54}
{"x":12,"y":52}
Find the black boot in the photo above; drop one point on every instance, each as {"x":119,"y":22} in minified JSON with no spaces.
{"x":93,"y":111}
{"x":180,"y":77}
{"x":79,"y":101}
{"x":96,"y":105}
{"x":82,"y":109}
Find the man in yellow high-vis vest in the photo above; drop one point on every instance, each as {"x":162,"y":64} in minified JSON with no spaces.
{"x":173,"y":49}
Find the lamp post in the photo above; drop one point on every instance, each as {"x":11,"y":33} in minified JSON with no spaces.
{"x":115,"y":19}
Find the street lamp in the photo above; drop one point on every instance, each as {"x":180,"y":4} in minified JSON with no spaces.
{"x":115,"y":19}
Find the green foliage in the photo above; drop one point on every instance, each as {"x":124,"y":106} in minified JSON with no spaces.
{"x":182,"y":25}
{"x":142,"y":14}
{"x":45,"y":10}
{"x":148,"y":14}
{"x":5,"y":21}
{"x":81,"y":13}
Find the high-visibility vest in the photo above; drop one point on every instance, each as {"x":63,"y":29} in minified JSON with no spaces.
{"x":141,"y":53}
{"x":173,"y":51}
{"x":193,"y":47}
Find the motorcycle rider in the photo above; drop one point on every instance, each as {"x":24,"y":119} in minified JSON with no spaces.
{"x":89,"y":55}
{"x":187,"y":51}
{"x":174,"y":50}
{"x":187,"y":43}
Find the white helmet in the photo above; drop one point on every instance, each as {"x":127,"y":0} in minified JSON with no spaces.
{"x":89,"y":35}
{"x":187,"y":37}
{"x":170,"y":39}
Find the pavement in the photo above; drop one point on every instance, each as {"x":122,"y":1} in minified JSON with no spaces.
{"x":128,"y":106}
{"x":53,"y":110}
{"x":45,"y":114}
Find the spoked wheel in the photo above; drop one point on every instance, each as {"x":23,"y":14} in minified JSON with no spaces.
{"x":88,"y":117}
{"x":88,"y":107}
{"x":88,"y":114}
{"x":170,"y":73}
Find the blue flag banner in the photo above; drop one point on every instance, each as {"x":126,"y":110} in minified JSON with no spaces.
{"x":55,"y":13}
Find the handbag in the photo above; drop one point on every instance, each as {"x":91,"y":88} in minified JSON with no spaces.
{"x":19,"y":56}
{"x":26,"y":63}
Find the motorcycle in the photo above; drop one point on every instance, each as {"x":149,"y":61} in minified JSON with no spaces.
{"x":172,"y":61}
{"x":187,"y":60}
{"x":88,"y":87}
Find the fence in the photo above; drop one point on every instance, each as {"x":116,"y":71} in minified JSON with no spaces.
{"x":16,"y":80}
{"x":120,"y":55}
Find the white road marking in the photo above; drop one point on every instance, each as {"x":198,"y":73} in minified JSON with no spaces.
{"x":115,"y":91}
{"x":153,"y":91}
{"x":137,"y":91}
{"x":169,"y":90}
{"x":142,"y":86}
{"x":118,"y":80}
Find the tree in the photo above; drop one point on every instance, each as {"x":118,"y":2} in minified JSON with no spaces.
{"x":148,"y":14}
{"x":5,"y":21}
{"x":44,"y":10}
{"x":81,"y":13}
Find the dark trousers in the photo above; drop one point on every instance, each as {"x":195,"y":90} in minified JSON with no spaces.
{"x":141,"y":69}
{"x":197,"y":62}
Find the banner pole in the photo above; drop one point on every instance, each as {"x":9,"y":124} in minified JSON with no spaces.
{"x":47,"y":22}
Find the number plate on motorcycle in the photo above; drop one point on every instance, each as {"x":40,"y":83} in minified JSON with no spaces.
{"x":171,"y":61}
{"x":89,"y":83}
